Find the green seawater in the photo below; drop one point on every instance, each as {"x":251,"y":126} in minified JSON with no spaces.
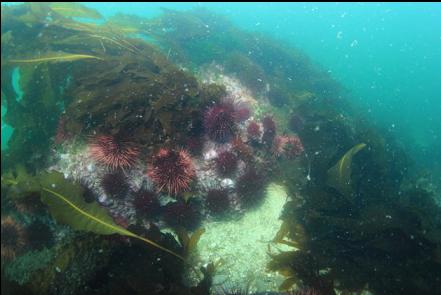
{"x":387,"y":55}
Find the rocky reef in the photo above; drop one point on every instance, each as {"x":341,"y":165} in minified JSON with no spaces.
{"x":131,"y":135}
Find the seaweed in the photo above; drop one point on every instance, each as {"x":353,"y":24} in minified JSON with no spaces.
{"x":54,"y":57}
{"x":66,"y":204}
{"x":339,"y":175}
{"x":74,"y":10}
{"x":189,"y":242}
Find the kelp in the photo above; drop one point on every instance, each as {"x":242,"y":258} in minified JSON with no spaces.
{"x":70,"y":9}
{"x":54,"y":57}
{"x":189,"y":241}
{"x":299,"y":267}
{"x":24,"y":183}
{"x":66,"y":204}
{"x":136,"y":86}
{"x":339,"y":175}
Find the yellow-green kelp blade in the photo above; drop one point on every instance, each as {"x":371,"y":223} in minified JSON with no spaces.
{"x":70,"y":9}
{"x":55,"y":57}
{"x":67,"y":206}
{"x":339,"y":176}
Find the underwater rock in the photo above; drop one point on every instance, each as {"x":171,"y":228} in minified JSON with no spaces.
{"x":217,"y":201}
{"x":250,"y":187}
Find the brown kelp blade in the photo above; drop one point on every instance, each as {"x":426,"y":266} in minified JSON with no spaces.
{"x":189,"y":242}
{"x":339,"y":176}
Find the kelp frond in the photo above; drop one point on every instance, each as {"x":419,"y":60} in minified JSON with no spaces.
{"x":339,"y":175}
{"x":65,"y":203}
{"x":60,"y":57}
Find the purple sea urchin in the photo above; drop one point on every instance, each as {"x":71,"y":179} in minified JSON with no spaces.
{"x":226,"y":163}
{"x":115,"y":185}
{"x":220,"y":122}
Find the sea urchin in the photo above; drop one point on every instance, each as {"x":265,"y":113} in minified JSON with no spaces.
{"x":172,"y":170}
{"x":253,"y":131}
{"x":115,"y":185}
{"x":113,"y":152}
{"x":220,"y":122}
{"x":226,"y":163}
{"x":13,"y":238}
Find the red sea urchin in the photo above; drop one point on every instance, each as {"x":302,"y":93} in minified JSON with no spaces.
{"x":244,"y":151}
{"x":226,"y":163}
{"x":253,"y":131}
{"x":288,"y":146}
{"x":13,"y":238}
{"x":113,"y":152}
{"x":220,"y":122}
{"x":243,"y":113}
{"x":172,"y":170}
